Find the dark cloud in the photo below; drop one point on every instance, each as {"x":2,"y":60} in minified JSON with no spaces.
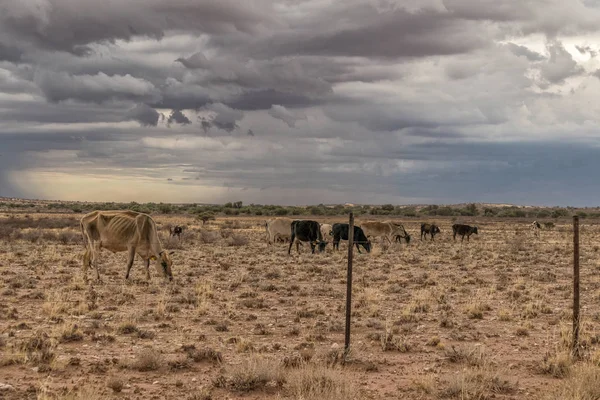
{"x":178,"y":117}
{"x":283,"y":114}
{"x":419,"y":34}
{"x":99,"y":88}
{"x":560,"y":65}
{"x":224,"y":117}
{"x":10,"y":53}
{"x":525,"y":52}
{"x":145,"y":115}
{"x":53,"y":24}
{"x":265,"y":99}
{"x":587,"y":50}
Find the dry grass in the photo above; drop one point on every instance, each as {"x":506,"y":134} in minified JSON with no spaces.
{"x":429,"y":320}
{"x":315,"y":382}
{"x":148,"y":360}
{"x":582,"y":384}
{"x":476,"y":384}
{"x":252,"y":374}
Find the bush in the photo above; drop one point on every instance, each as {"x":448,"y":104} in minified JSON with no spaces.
{"x":237,"y":240}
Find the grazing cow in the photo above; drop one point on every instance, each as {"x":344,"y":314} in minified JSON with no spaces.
{"x":385,"y":230}
{"x":326,"y":231}
{"x":340,"y":232}
{"x":535,"y":228}
{"x":177,"y":231}
{"x":123,"y":231}
{"x":278,"y":229}
{"x":430,"y":229}
{"x":464,"y":230}
{"x":306,"y":231}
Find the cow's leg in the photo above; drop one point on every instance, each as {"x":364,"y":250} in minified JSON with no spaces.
{"x":291,"y":243}
{"x":148,"y":269}
{"x":130,"y":258}
{"x":358,"y":248}
{"x":86,"y":263}
{"x":95,"y":254}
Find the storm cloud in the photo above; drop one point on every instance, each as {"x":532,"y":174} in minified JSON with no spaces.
{"x":279,"y":101}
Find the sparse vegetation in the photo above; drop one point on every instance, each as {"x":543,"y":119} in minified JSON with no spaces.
{"x":421,"y":310}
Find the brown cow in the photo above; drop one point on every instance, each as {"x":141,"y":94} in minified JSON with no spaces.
{"x":123,"y":231}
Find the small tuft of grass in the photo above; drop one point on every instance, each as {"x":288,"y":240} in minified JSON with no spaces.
{"x":204,"y":354}
{"x":477,"y":383}
{"x":557,"y":365}
{"x":148,"y":360}
{"x":252,"y":374}
{"x":70,"y":334}
{"x":115,"y":384}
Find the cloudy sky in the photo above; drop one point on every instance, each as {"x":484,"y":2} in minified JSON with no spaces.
{"x":301,"y":101}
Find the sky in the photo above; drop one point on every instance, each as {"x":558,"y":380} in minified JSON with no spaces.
{"x":301,"y":101}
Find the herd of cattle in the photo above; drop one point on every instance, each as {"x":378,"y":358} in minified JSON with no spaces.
{"x":136,"y":233}
{"x":286,"y":229}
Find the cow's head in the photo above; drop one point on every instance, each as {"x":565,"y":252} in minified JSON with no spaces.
{"x":367,"y":246}
{"x":475,"y":230}
{"x":164,"y":264}
{"x":407,"y":238}
{"x":322,"y":245}
{"x":436,"y":229}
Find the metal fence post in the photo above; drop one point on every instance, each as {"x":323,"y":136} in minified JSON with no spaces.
{"x":349,"y":283}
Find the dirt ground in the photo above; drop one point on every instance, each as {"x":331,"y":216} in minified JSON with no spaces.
{"x":488,"y":318}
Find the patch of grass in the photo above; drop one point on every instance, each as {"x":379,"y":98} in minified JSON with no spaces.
{"x":148,"y":360}
{"x":204,"y":354}
{"x":127,"y":328}
{"x":557,"y":364}
{"x":252,"y":374}
{"x":39,"y":348}
{"x":116,"y":384}
{"x":475,"y":356}
{"x":582,"y":384}
{"x":237,"y":240}
{"x":315,"y":382}
{"x":478,"y":383}
{"x":70,"y":334}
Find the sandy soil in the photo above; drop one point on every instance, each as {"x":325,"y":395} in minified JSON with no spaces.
{"x":488,"y":318}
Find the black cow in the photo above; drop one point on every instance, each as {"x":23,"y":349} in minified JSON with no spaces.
{"x":177,"y":231}
{"x":307,"y":231}
{"x":463,"y":230}
{"x":430,"y":229}
{"x":340,"y":231}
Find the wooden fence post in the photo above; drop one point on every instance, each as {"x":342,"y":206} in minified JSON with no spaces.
{"x":349,"y":284}
{"x":575,"y":349}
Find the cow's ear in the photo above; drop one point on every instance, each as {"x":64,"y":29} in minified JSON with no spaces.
{"x":171,"y":253}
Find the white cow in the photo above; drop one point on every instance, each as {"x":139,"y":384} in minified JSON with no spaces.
{"x":278,"y":228}
{"x":123,"y":231}
{"x":326,"y":231}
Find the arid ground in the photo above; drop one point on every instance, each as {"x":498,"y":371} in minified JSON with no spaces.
{"x":488,"y":318}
